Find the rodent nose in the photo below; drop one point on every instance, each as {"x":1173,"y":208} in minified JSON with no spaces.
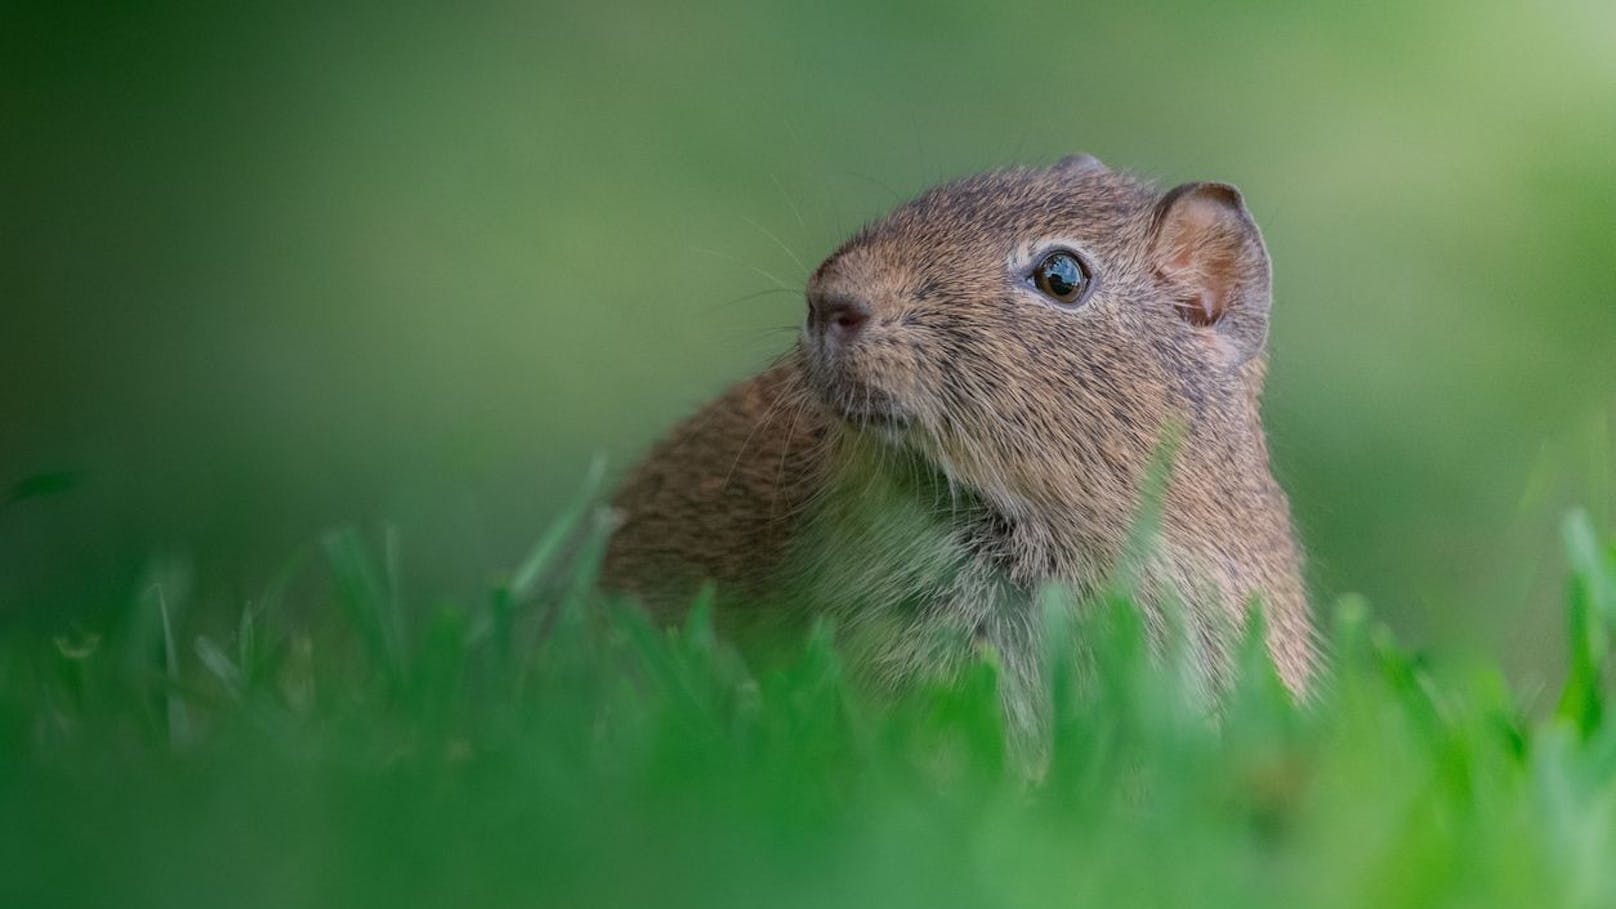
{"x":840,"y":318}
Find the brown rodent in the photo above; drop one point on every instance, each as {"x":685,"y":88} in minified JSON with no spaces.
{"x":984,"y":378}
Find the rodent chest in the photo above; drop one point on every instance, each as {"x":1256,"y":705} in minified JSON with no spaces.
{"x":892,"y":536}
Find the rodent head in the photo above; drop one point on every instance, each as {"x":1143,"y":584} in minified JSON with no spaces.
{"x":1031,"y":332}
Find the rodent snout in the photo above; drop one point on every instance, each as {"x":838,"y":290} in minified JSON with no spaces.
{"x":837,"y":318}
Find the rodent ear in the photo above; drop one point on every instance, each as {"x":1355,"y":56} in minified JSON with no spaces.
{"x":1079,"y":163}
{"x":1207,"y":249}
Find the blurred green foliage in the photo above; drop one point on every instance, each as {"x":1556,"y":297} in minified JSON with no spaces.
{"x":543,"y":749}
{"x":266,"y":268}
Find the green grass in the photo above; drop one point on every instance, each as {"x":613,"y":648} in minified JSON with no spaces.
{"x":330,"y":743}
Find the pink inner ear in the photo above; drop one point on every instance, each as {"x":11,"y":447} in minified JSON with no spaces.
{"x":1197,"y":267}
{"x":1201,"y":257}
{"x":1201,"y":309}
{"x":1210,"y":259}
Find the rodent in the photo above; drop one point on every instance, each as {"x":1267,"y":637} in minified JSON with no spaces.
{"x":982,"y":380}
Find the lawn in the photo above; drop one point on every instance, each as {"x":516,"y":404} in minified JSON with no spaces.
{"x":330,"y":741}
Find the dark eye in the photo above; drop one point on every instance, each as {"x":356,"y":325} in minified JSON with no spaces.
{"x":1062,"y":277}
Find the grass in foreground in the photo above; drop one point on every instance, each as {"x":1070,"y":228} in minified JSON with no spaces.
{"x":544,"y":749}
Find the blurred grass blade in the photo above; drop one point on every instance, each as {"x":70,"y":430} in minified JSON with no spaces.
{"x":216,"y":661}
{"x":552,"y":544}
{"x":1144,"y":536}
{"x":179,"y":720}
{"x":40,"y":485}
{"x":364,"y":597}
{"x":1592,"y":566}
{"x":1590,"y":609}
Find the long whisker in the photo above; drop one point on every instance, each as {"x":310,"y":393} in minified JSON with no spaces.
{"x":768,"y":416}
{"x":744,"y":264}
{"x":785,"y":452}
{"x":754,"y":295}
{"x":778,"y":242}
{"x":789,"y":201}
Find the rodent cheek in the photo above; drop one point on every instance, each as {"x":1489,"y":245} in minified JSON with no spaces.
{"x":883,"y":364}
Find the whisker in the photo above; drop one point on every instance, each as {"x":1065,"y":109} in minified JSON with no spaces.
{"x":897,"y":196}
{"x":785,"y":452}
{"x":744,"y":264}
{"x":754,"y":295}
{"x":778,"y":242}
{"x":768,"y":416}
{"x":789,"y":201}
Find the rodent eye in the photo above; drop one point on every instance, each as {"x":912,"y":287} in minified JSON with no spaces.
{"x":1062,"y":277}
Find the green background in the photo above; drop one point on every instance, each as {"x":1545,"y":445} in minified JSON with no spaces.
{"x":265,"y":270}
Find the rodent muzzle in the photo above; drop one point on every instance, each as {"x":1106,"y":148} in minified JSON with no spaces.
{"x":837,"y":318}
{"x":839,"y":378}
{"x":849,"y":362}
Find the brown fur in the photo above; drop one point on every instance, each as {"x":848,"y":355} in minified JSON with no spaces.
{"x":1016,"y":432}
